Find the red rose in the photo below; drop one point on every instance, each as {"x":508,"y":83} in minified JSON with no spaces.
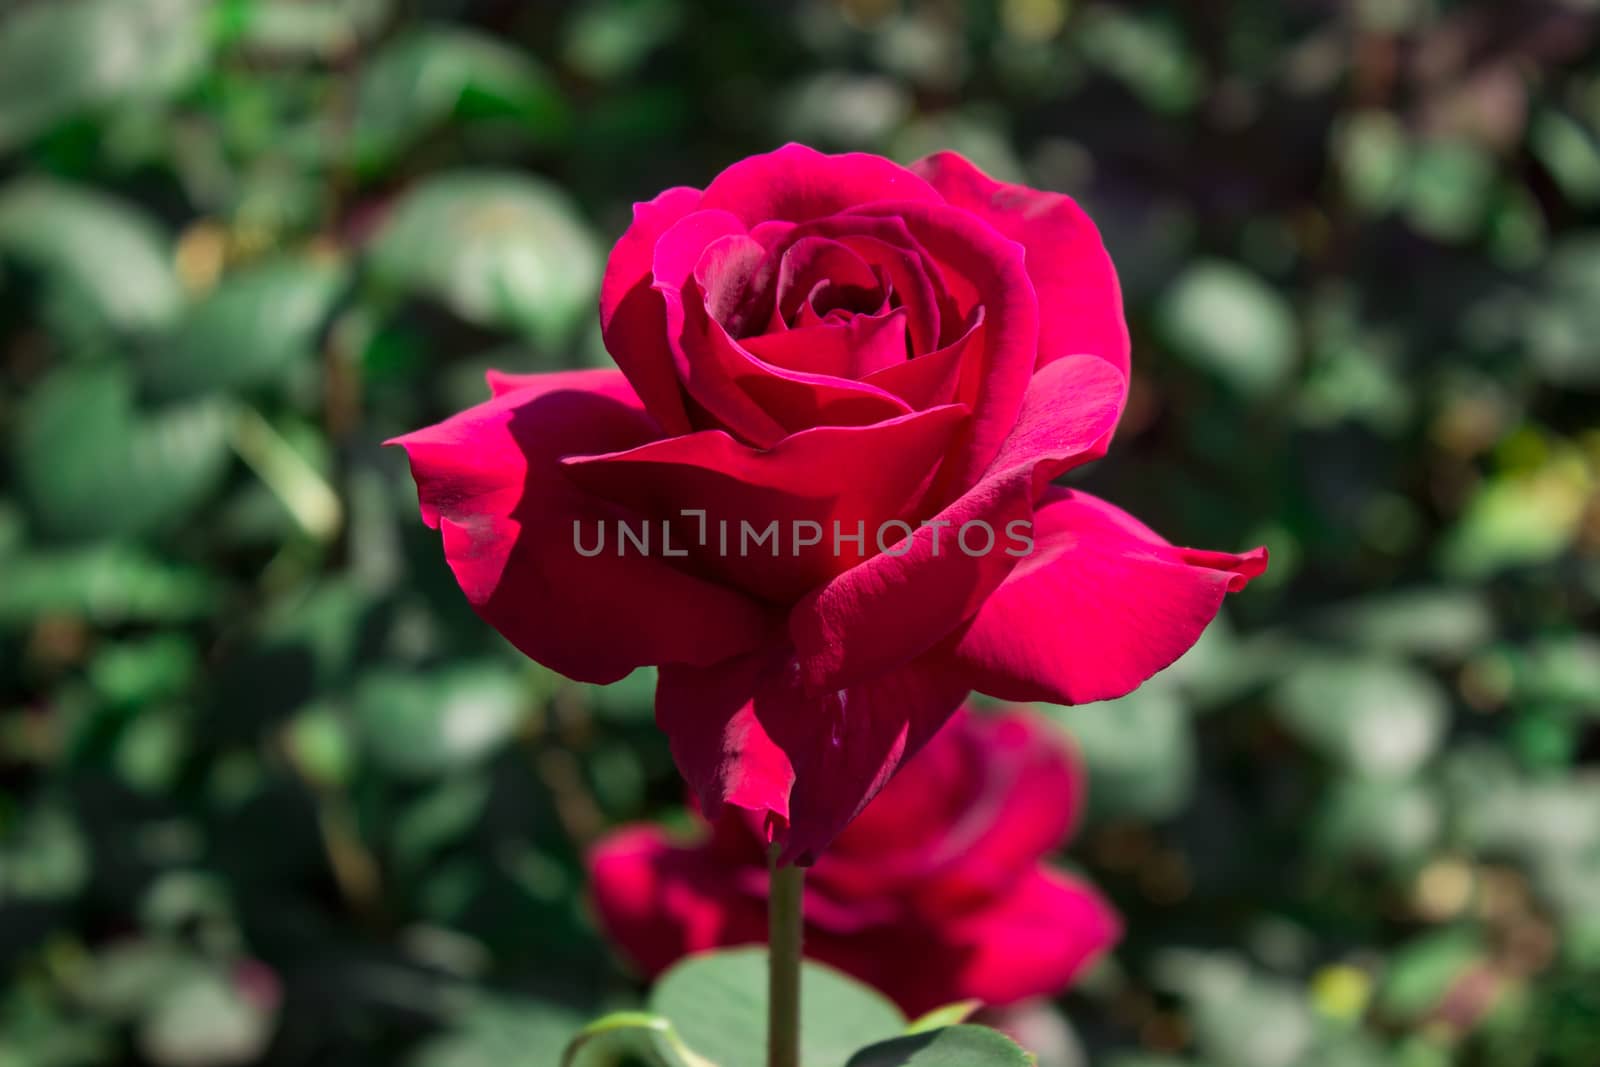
{"x":935,"y":893}
{"x":874,"y":372}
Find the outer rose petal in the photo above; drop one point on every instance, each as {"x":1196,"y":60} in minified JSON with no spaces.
{"x":659,"y":902}
{"x":490,"y":480}
{"x":1080,"y":301}
{"x":1037,"y":936}
{"x":891,"y":608}
{"x":1101,"y":604}
{"x":721,"y":748}
{"x":796,"y":183}
{"x":1013,"y":787}
{"x":817,"y":475}
{"x":632,"y":316}
{"x":842,"y":748}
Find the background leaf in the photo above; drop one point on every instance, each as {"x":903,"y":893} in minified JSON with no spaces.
{"x":717,"y":1002}
{"x":954,"y":1046}
{"x":498,"y":249}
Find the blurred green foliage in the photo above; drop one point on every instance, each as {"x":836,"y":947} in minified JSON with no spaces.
{"x":270,"y":794}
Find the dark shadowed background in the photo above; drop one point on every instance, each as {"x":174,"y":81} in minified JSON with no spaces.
{"x":269,"y":793}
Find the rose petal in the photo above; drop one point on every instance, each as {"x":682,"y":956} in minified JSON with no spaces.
{"x":707,"y":242}
{"x":659,"y":902}
{"x":719,"y":745}
{"x":812,"y":476}
{"x":997,"y":790}
{"x":490,"y":480}
{"x":891,"y":608}
{"x":933,"y":378}
{"x":836,"y":751}
{"x":1100,"y":605}
{"x":1036,"y":937}
{"x":767,"y":402}
{"x":1080,"y":301}
{"x":850,"y":350}
{"x":738,"y":283}
{"x":845,"y":746}
{"x":886,"y":244}
{"x":814,"y":262}
{"x":980,"y":268}
{"x":796,"y":183}
{"x":632,"y":316}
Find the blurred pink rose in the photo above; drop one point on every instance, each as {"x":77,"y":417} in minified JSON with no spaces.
{"x":937,"y":892}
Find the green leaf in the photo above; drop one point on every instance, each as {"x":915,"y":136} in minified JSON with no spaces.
{"x":421,"y":727}
{"x":499,"y":249}
{"x":44,"y":857}
{"x":1563,"y":670}
{"x":437,"y":73}
{"x":128,"y":977}
{"x":1395,"y":822}
{"x":254,"y":328}
{"x":318,"y":741}
{"x":90,"y":465}
{"x":1374,"y":716}
{"x":1439,"y":621}
{"x":438,"y":818}
{"x":1146,"y":52}
{"x":1520,"y":518}
{"x":628,"y":1036}
{"x":500,"y":1033}
{"x":109,"y":584}
{"x":1561,"y":324}
{"x":949,"y":1015}
{"x":203,"y":1020}
{"x":1570,"y":153}
{"x":1138,"y":749}
{"x":954,"y":1046}
{"x":1422,"y":973}
{"x":1447,"y":190}
{"x":1372,"y":153}
{"x":718,"y":1004}
{"x":1241,"y":1018}
{"x":631,"y":700}
{"x":64,"y":57}
{"x":1540,"y":821}
{"x":1225,"y":319}
{"x":102,"y":256}
{"x":292,"y":28}
{"x":139,"y":672}
{"x":607,"y":40}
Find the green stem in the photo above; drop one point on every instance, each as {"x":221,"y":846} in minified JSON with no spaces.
{"x":784,"y":929}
